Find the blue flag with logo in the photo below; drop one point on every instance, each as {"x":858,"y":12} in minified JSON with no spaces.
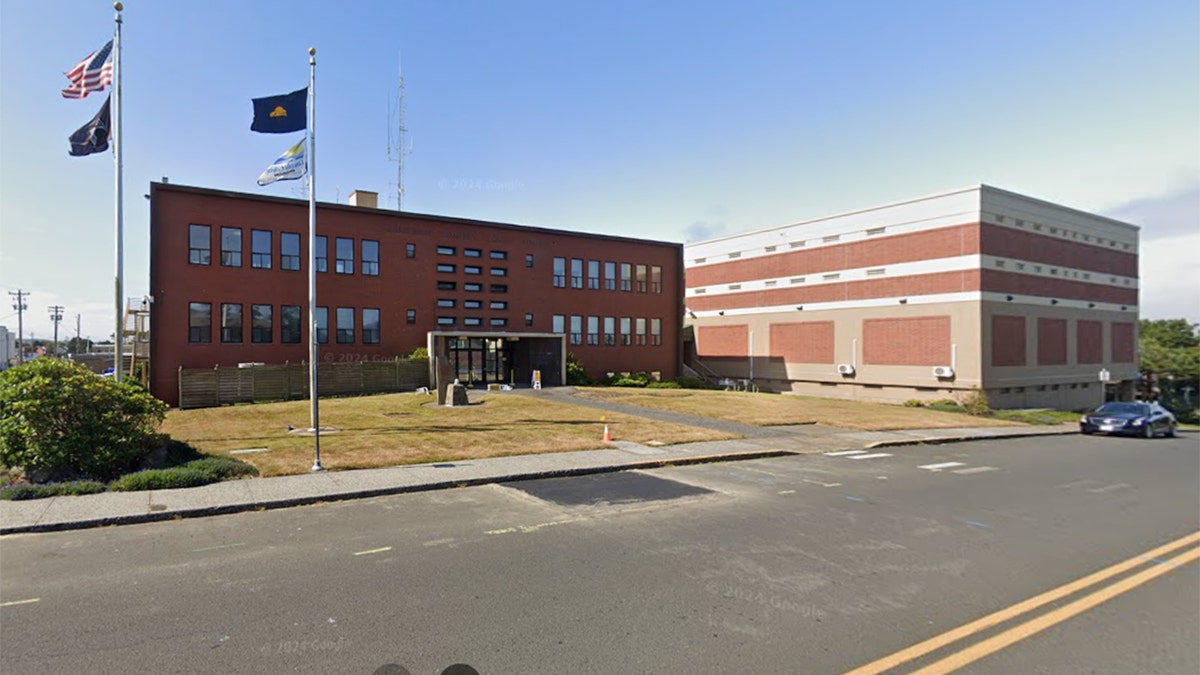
{"x":281,"y":114}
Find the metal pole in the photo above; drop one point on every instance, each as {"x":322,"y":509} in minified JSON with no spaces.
{"x":314,"y":416}
{"x":20,"y":306}
{"x":56,"y":315}
{"x":118,"y":333}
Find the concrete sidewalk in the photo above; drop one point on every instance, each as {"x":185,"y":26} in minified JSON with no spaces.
{"x":117,"y":508}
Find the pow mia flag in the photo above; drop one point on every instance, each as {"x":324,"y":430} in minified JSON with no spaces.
{"x":92,"y":137}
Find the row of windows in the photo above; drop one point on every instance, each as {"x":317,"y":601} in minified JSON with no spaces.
{"x":471,"y":287}
{"x":450,"y":268}
{"x":647,"y":278}
{"x":262,"y":255}
{"x":476,"y":253}
{"x":262,"y":324}
{"x":632,"y":329}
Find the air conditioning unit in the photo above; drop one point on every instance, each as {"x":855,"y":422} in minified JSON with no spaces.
{"x":943,"y":371}
{"x":845,"y":369}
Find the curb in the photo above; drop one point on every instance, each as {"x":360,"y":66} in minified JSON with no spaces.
{"x":158,"y":516}
{"x":941,"y":440}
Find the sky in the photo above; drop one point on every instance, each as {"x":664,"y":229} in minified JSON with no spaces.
{"x":667,"y":120}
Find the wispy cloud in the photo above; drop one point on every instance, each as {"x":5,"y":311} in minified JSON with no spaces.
{"x":702,"y":230}
{"x":1162,"y":217}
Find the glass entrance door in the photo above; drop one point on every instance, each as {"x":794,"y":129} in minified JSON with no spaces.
{"x":479,"y":361}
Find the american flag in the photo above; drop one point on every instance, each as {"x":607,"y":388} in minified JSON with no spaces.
{"x":93,"y":73}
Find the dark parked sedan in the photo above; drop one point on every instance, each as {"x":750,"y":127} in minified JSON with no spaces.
{"x":1141,"y":419}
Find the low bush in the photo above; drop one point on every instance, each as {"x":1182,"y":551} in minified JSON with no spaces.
{"x":195,"y":473}
{"x":669,"y":384}
{"x":633,"y":380}
{"x":576,"y":373}
{"x":20,"y":491}
{"x":976,"y":403}
{"x":691,"y":382}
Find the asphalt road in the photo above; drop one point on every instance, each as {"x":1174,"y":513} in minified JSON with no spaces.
{"x":806,"y":564}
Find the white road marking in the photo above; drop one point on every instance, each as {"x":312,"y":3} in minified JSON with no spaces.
{"x":1106,"y":488}
{"x":787,"y":492}
{"x":873,"y":455}
{"x":19,"y":602}
{"x":943,"y":465}
{"x":843,"y":453}
{"x":247,"y":450}
{"x":374,"y":550}
{"x":822,"y":484}
{"x":976,"y":469}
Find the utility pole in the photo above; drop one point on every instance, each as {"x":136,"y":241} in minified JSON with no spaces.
{"x":77,"y":342}
{"x":20,"y":306}
{"x":56,"y":315}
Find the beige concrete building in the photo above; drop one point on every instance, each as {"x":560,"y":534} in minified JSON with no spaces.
{"x":1032,"y":302}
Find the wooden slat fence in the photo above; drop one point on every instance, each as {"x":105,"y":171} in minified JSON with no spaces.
{"x":206,"y":388}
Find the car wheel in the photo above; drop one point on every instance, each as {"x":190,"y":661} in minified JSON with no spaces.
{"x":1148,"y":430}
{"x":1171,"y":431}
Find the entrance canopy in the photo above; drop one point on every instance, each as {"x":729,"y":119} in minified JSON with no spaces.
{"x":482,"y":358}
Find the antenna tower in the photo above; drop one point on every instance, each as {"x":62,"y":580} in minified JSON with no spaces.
{"x":401,"y":145}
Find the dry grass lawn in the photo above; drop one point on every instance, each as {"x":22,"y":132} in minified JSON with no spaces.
{"x":775,"y":409}
{"x":394,"y":429}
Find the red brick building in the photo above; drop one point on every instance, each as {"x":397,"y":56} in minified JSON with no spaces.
{"x":493,"y":302}
{"x":1034,"y":303}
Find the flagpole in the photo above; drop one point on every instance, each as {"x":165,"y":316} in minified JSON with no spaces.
{"x":312,"y":257}
{"x":119,"y":324}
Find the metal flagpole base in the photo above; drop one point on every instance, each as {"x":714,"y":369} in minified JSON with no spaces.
{"x":317,"y":467}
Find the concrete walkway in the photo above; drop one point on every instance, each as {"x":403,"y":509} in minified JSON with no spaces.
{"x":116,"y":508}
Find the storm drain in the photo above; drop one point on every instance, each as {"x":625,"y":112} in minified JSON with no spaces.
{"x":624,"y":487}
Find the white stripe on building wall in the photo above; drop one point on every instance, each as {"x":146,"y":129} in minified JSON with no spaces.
{"x":917,"y":300}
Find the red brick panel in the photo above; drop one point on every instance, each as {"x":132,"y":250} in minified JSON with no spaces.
{"x":723,"y":341}
{"x":1089,"y":341}
{"x":998,"y":281}
{"x":1008,"y":340}
{"x":945,"y":242}
{"x":1122,"y":342}
{"x":799,"y":295}
{"x":805,"y":342}
{"x":1008,"y":243}
{"x":1051,"y":342}
{"x":915,"y":341}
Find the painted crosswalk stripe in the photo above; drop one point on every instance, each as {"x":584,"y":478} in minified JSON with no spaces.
{"x":873,"y":455}
{"x":943,"y":465}
{"x":843,"y":453}
{"x":976,"y":469}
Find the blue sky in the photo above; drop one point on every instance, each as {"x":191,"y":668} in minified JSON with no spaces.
{"x":665,"y":120}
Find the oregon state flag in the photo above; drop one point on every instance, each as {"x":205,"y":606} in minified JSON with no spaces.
{"x":281,"y":114}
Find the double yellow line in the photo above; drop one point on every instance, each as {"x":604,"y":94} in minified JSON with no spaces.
{"x":1024,"y":630}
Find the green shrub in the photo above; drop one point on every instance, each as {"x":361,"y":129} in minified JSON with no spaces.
{"x":976,"y":403}
{"x":419,"y":353}
{"x":576,"y":373}
{"x":31,"y":491}
{"x":943,"y":402}
{"x":195,"y":473}
{"x":59,"y":419}
{"x":669,"y":384}
{"x":633,"y":380}
{"x":914,"y":403}
{"x":691,"y":382}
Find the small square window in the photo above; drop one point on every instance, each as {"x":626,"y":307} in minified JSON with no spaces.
{"x":410,"y":250}
{"x":473,"y":288}
{"x":411,"y":316}
{"x":472,"y":269}
{"x":529,"y":260}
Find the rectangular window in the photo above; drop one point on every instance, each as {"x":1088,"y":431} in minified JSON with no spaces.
{"x":344,"y":255}
{"x":445,"y":321}
{"x":473,"y":288}
{"x":472,"y":321}
{"x":499,"y":271}
{"x":641,"y":279}
{"x":199,"y":322}
{"x":231,"y":323}
{"x":640,"y":325}
{"x":472,"y":304}
{"x":231,"y":247}
{"x":289,"y":324}
{"x":445,"y":250}
{"x":498,"y":304}
{"x":560,"y":272}
{"x":472,"y":269}
{"x":656,"y":332}
{"x":625,"y":326}
{"x":498,"y":288}
{"x":260,"y":249}
{"x":199,"y":244}
{"x":576,"y":273}
{"x":410,"y":250}
{"x":576,"y":330}
{"x":446,"y":268}
{"x":498,"y":321}
{"x":558,"y":324}
{"x":593,"y":330}
{"x":447,"y":285}
{"x":323,"y":325}
{"x":446,"y":302}
{"x":610,"y":276}
{"x":370,"y":258}
{"x":529,"y":260}
{"x":656,"y":279}
{"x":498,"y":255}
{"x":593,"y":279}
{"x":345,"y":325}
{"x":261,"y":324}
{"x":410,"y":316}
{"x":610,"y":331}
{"x":528,"y":319}
{"x":370,"y":326}
{"x":322,"y":253}
{"x":289,"y":251}
{"x":626,"y":276}
{"x":472,"y":253}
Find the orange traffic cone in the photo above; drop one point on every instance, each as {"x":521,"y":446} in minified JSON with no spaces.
{"x":607,"y":436}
